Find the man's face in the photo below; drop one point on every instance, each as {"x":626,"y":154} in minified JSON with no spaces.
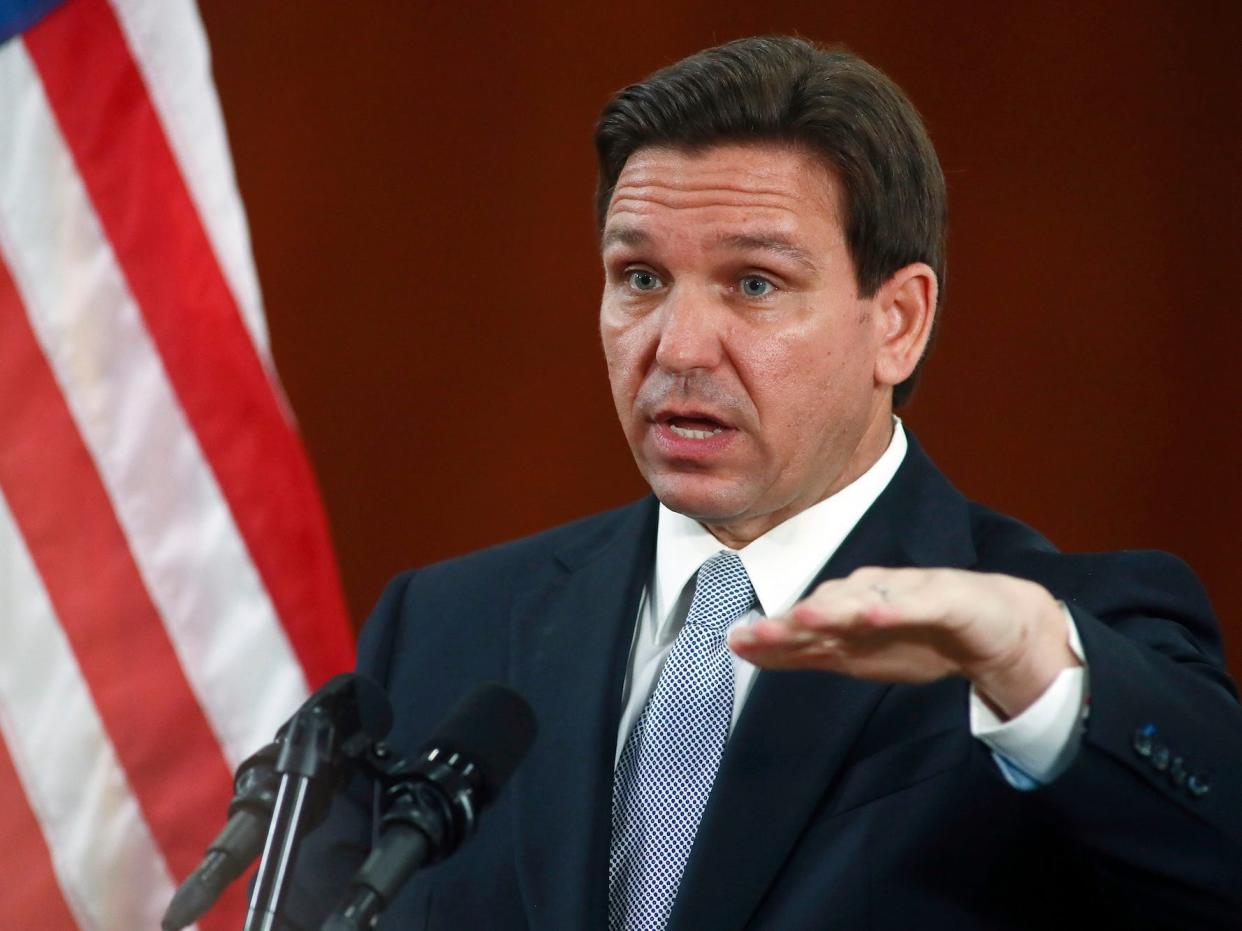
{"x":742,"y":360}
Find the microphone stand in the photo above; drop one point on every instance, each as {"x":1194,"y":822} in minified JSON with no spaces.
{"x":431,"y":804}
{"x":306,"y":768}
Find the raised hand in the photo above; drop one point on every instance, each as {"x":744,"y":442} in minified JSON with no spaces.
{"x":1006,"y":635}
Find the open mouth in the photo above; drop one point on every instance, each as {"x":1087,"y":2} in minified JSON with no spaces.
{"x":694,"y":428}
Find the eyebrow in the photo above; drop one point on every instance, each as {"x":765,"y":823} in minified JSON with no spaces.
{"x":624,"y":236}
{"x":770,"y":242}
{"x":764,"y":242}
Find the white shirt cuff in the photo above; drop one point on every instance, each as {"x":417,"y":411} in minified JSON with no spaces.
{"x":1038,"y":745}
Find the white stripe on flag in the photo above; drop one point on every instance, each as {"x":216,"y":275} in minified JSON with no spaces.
{"x":184,"y":540}
{"x":169,"y":46}
{"x":101,"y":848}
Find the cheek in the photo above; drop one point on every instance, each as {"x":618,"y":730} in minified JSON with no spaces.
{"x":624,"y":376}
{"x":787,"y":376}
{"x":625,"y":351}
{"x":617,"y":352}
{"x":797,"y":387}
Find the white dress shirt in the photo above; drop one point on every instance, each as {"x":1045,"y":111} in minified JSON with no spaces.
{"x":1030,"y":749}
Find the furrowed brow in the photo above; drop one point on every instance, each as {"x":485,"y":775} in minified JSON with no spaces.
{"x":623,"y":236}
{"x":770,"y":242}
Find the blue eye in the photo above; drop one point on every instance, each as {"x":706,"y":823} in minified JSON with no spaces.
{"x":642,"y":280}
{"x":754,"y":286}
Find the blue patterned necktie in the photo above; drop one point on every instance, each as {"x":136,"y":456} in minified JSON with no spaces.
{"x":669,"y":761}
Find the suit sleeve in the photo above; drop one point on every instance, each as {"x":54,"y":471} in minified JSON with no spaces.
{"x":1154,"y":795}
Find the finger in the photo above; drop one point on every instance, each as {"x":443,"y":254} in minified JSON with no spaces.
{"x":796,"y":661}
{"x":865,"y":591}
{"x":818,"y":654}
{"x":845,"y":611}
{"x":877,"y":598}
{"x":773,"y":633}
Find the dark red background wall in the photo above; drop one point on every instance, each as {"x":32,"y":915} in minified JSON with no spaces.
{"x":419,"y":179}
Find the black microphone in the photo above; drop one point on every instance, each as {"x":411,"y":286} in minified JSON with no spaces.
{"x":436,"y":804}
{"x":355,"y":705}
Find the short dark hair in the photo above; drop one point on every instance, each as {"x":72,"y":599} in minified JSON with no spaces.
{"x":785,"y":89}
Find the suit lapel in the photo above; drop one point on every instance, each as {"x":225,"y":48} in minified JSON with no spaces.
{"x":571,"y":641}
{"x":797,"y":727}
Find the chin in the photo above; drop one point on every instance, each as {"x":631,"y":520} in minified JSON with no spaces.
{"x":699,"y":497}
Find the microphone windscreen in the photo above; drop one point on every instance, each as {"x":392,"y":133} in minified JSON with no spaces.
{"x":357,"y":703}
{"x":374,"y":709}
{"x":493,"y":727}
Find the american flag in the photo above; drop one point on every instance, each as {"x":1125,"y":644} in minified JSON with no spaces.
{"x":167,"y":589}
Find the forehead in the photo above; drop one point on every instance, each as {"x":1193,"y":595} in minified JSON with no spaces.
{"x":771,"y":185}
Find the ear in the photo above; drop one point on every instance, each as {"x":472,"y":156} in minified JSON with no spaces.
{"x":906,"y":308}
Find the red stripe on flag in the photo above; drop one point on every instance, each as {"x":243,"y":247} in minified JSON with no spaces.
{"x":32,"y":898}
{"x":170,"y":755}
{"x":146,"y":210}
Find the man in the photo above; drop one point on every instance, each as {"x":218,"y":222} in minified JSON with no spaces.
{"x":924,"y":713}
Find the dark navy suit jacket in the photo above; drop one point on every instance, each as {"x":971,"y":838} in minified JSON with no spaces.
{"x":839,"y":803}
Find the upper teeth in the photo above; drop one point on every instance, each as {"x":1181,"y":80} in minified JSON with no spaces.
{"x":693,"y":434}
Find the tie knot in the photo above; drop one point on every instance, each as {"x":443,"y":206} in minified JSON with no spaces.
{"x":722,"y":593}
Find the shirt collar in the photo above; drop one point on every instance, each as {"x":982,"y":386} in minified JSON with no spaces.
{"x":782,"y":562}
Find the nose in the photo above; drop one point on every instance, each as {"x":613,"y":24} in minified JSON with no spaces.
{"x":691,"y":331}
